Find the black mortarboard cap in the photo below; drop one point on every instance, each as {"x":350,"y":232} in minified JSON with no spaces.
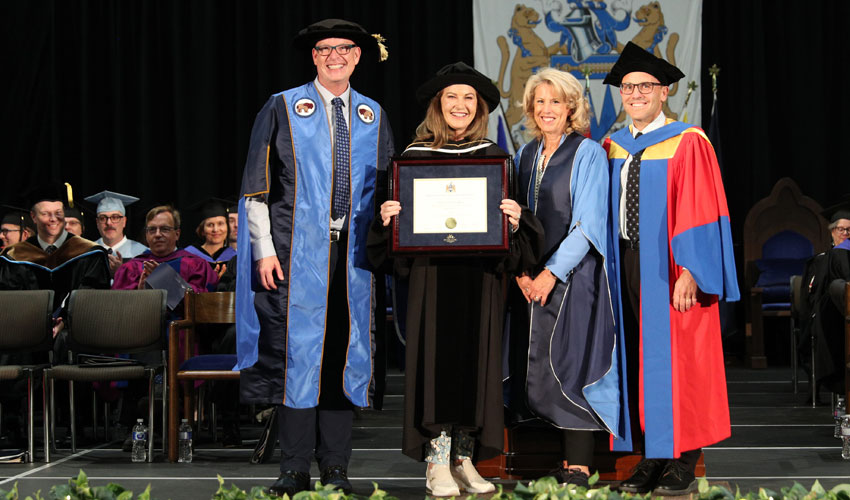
{"x":840,"y":210}
{"x":308,"y":37}
{"x":76,"y":212}
{"x":233,"y":204}
{"x":459,"y":73}
{"x":211,"y":207}
{"x":634,"y":58}
{"x":52,"y":191}
{"x":17,"y":216}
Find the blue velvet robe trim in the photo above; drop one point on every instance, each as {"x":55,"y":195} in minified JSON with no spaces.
{"x":589,"y":221}
{"x":308,"y":263}
{"x":706,"y":250}
{"x":225,"y":256}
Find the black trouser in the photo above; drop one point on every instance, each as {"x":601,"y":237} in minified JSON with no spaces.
{"x":327,"y":427}
{"x":630,"y":279}
{"x":577,"y":446}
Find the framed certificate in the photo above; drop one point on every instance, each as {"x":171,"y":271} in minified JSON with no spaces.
{"x":450,"y":205}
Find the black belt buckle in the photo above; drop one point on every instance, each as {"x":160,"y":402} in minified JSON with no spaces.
{"x":335,"y":235}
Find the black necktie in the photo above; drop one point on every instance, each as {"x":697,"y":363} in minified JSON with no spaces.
{"x":339,"y":203}
{"x":50,"y":249}
{"x":633,"y":197}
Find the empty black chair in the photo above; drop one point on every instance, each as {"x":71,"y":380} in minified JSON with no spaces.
{"x":108,"y":322}
{"x":26,"y":316}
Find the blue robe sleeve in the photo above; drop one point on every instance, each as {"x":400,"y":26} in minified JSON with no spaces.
{"x":589,"y":193}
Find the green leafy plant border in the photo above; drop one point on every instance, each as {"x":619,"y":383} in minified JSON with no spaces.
{"x":78,"y":488}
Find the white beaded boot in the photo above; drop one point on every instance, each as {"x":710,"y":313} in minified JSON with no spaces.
{"x":439,"y":481}
{"x":468,"y":478}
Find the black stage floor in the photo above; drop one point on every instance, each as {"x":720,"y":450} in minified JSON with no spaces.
{"x":777,"y":438}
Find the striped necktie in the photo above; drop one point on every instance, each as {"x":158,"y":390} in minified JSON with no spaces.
{"x":340,"y":198}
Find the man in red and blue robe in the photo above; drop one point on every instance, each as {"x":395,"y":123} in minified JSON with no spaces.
{"x":675,"y":262}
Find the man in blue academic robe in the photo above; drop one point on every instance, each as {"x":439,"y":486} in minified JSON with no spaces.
{"x":308,"y":196}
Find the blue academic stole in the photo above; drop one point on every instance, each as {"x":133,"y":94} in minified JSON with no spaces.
{"x":309,"y":263}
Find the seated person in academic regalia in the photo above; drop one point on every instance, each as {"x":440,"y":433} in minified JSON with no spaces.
{"x":162,"y":230}
{"x":53,"y":259}
{"x":111,"y":223}
{"x":233,"y":220}
{"x":75,"y":221}
{"x":214,"y":232}
{"x":824,"y":281}
{"x":16,"y":226}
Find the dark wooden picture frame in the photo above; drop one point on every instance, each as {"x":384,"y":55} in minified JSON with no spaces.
{"x":498,"y":172}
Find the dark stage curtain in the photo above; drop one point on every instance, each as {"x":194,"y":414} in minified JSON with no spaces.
{"x":156,"y":97}
{"x":783,"y":70}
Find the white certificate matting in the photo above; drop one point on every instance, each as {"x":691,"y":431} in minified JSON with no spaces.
{"x":450,"y":205}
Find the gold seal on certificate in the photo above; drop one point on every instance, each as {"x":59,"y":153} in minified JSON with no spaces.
{"x":451,"y":223}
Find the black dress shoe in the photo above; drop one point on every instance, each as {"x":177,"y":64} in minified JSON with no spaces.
{"x":677,"y":479}
{"x":644,"y":476}
{"x":337,"y":476}
{"x":290,"y":482}
{"x":570,"y":476}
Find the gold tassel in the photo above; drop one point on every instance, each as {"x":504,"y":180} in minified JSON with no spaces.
{"x":70,"y":195}
{"x":381,"y":47}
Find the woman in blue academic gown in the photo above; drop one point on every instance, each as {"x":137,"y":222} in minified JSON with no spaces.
{"x":453,"y":395}
{"x":562,"y":353}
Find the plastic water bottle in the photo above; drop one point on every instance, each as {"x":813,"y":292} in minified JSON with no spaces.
{"x":838,"y":414}
{"x":140,"y":442}
{"x":845,"y":437}
{"x":184,"y":436}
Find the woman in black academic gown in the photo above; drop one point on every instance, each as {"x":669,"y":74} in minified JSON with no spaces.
{"x":453,"y":391}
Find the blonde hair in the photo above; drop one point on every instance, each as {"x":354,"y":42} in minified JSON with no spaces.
{"x":569,"y":89}
{"x":436,"y":132}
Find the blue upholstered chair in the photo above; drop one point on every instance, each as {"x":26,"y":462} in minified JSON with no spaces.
{"x":780,"y":233}
{"x":200,"y":308}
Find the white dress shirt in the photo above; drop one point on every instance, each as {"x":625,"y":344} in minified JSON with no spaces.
{"x":259,"y":225}
{"x":656,"y":124}
{"x":58,"y":243}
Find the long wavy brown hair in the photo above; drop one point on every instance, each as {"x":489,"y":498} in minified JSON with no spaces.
{"x":436,"y":132}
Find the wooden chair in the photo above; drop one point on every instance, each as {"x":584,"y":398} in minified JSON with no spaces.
{"x":773,"y":227}
{"x":202,"y":308}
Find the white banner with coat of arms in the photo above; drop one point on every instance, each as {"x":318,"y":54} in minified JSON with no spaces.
{"x":584,"y":37}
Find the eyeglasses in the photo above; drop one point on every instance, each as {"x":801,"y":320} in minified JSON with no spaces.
{"x":343,"y":50}
{"x":111,"y":218}
{"x":165,"y":230}
{"x":842,"y":230}
{"x":5,"y":232}
{"x":59,"y":214}
{"x":643,"y":87}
